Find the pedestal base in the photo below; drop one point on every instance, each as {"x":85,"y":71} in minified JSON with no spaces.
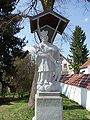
{"x":48,"y":106}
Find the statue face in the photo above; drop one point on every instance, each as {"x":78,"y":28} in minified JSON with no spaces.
{"x":44,"y":35}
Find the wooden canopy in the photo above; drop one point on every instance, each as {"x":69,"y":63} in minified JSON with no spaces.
{"x":50,"y":21}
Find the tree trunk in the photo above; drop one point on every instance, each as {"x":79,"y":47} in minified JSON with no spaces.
{"x":47,"y":4}
{"x":31,"y":102}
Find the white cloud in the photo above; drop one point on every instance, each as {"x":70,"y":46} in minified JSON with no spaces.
{"x":26,"y":48}
{"x":30,"y":49}
{"x":86,"y":19}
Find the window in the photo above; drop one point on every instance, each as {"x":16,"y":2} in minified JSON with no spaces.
{"x":65,"y":66}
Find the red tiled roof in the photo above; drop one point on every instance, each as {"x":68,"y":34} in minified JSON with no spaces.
{"x":86,"y":64}
{"x":80,"y":80}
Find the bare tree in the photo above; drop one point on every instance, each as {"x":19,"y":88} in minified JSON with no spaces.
{"x":32,"y":6}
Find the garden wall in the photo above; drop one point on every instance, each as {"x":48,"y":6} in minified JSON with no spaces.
{"x":78,"y":94}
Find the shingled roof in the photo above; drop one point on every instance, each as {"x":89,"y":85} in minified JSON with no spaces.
{"x":86,"y":64}
{"x":80,"y":80}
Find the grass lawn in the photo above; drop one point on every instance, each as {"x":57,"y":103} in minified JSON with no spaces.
{"x":18,"y":110}
{"x":73,"y":111}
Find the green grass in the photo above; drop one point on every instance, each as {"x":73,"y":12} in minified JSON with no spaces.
{"x":73,"y":111}
{"x":18,"y":110}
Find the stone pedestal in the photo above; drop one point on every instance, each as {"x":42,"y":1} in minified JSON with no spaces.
{"x":48,"y":106}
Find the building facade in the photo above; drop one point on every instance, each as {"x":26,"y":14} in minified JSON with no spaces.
{"x":66,"y":66}
{"x":85,"y":68}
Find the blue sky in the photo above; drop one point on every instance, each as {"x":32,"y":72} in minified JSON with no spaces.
{"x":76,"y":13}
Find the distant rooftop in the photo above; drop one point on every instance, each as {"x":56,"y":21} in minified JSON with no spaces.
{"x":86,"y":64}
{"x":80,"y":80}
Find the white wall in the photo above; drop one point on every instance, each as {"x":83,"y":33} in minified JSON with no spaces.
{"x":77,"y":94}
{"x":84,"y":70}
{"x":89,"y":69}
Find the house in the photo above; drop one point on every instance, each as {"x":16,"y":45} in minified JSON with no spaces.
{"x":85,"y":68}
{"x":66,"y":68}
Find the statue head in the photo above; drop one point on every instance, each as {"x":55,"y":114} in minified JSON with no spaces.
{"x":44,"y":36}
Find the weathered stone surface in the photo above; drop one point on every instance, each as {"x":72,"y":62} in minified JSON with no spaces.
{"x":48,"y":106}
{"x":48,"y":93}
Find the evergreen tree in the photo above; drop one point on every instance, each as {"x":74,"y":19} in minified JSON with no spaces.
{"x":10,"y":45}
{"x":78,"y":49}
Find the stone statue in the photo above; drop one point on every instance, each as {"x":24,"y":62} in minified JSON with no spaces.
{"x":49,"y":66}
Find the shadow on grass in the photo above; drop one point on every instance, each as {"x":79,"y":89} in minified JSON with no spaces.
{"x":9,"y":100}
{"x":72,"y":107}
